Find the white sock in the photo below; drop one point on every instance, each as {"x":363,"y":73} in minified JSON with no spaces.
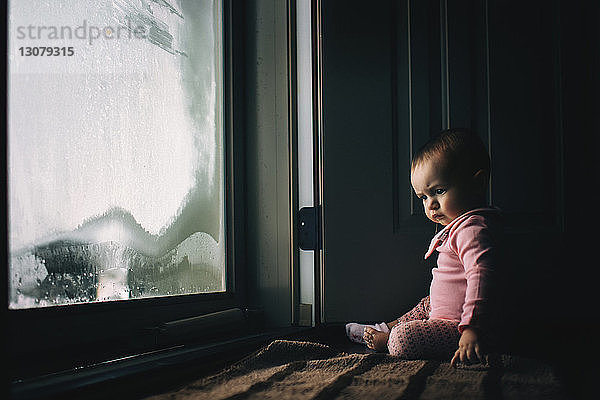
{"x":355,"y":331}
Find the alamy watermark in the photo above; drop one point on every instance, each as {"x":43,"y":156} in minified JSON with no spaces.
{"x":84,"y":31}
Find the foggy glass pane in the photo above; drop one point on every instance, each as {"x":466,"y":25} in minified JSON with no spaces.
{"x":115,"y":150}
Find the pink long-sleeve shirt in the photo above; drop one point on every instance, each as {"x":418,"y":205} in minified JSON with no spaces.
{"x":468,"y":254}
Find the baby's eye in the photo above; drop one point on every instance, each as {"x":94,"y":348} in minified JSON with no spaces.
{"x":422,"y":197}
{"x":440,"y":191}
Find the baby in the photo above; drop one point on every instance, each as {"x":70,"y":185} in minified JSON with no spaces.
{"x":450,"y":175}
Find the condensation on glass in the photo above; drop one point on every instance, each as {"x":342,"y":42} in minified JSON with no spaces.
{"x":116,"y":170}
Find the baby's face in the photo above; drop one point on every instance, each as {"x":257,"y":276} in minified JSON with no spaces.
{"x":444,"y":197}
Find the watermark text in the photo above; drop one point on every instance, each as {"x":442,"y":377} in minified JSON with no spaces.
{"x":83,"y":31}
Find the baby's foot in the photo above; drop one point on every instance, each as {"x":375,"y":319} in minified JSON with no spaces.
{"x":356,"y":332}
{"x":375,"y":339}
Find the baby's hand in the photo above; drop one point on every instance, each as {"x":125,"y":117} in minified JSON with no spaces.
{"x":468,"y":348}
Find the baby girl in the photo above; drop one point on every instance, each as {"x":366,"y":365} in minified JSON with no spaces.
{"x":450,"y":175}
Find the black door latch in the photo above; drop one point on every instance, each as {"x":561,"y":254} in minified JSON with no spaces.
{"x":309,"y":228}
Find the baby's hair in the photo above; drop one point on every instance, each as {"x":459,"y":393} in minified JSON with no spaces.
{"x":462,"y":151}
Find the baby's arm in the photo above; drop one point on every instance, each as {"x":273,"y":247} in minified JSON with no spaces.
{"x":469,"y":348}
{"x":477,"y":252}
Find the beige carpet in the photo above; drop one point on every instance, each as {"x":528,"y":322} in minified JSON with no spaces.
{"x":303,"y":370}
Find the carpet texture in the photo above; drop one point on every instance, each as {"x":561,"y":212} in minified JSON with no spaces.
{"x":303,"y":370}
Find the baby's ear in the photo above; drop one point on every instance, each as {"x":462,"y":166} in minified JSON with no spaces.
{"x":481,"y":179}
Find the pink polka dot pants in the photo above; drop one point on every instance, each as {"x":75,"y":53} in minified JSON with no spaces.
{"x":417,"y":337}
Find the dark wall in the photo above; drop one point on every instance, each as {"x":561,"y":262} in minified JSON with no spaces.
{"x":267,"y":164}
{"x":524,"y":76}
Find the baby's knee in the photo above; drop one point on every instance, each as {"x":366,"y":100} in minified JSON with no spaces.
{"x":401,"y":342}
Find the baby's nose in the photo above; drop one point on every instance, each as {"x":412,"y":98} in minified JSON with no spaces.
{"x":433,"y":205}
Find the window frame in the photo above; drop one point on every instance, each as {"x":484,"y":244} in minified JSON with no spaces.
{"x":49,"y":339}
